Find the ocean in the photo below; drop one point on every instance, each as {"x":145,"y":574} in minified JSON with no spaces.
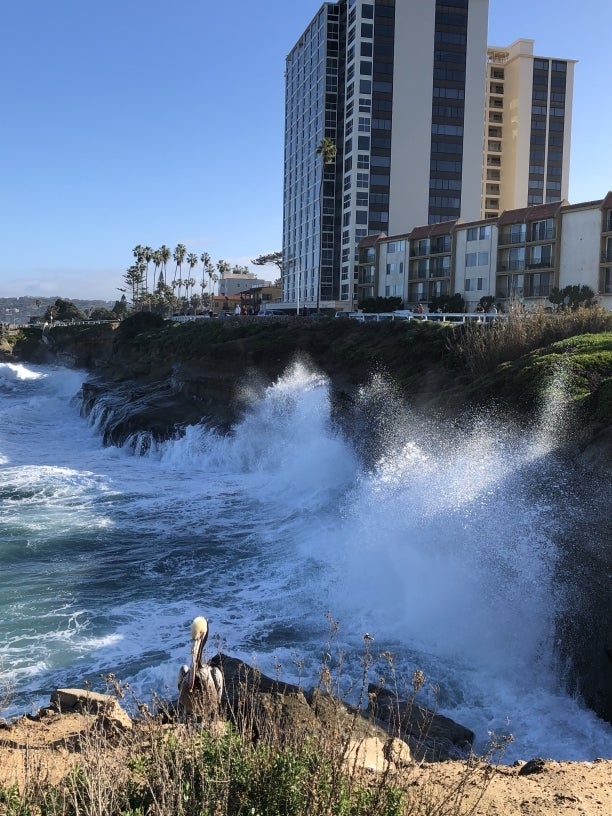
{"x":441,"y":544}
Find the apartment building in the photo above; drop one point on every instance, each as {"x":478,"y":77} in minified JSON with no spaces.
{"x":519,"y":256}
{"x":528,"y":117}
{"x":398,"y":86}
{"x":403,"y":88}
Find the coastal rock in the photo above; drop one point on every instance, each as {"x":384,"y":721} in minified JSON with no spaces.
{"x":430,"y":736}
{"x":255,"y":702}
{"x":534,"y":766}
{"x":83,"y":701}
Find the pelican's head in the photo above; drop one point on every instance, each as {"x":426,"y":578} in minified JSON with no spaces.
{"x":199,"y":636}
{"x":199,"y":629}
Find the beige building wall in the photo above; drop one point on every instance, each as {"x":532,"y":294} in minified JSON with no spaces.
{"x":411,"y":124}
{"x":508,"y":112}
{"x":475,"y":78}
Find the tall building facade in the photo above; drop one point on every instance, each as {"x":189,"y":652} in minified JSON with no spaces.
{"x":404,"y":89}
{"x":398,"y":85}
{"x":527,"y":129}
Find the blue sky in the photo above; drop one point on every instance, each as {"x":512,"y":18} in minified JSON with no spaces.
{"x":153,"y":122}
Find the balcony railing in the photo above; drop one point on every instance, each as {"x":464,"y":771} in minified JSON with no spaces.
{"x":543,"y":234}
{"x":507,"y":238}
{"x":548,"y":264}
{"x":512,"y":266}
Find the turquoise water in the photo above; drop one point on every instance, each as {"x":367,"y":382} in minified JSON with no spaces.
{"x":442,"y":550}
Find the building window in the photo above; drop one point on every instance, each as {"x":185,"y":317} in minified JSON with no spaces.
{"x":542,"y":230}
{"x":478,"y":233}
{"x":395,"y":268}
{"x":477,"y":259}
{"x":541,"y":256}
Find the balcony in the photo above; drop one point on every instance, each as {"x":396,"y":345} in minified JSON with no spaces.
{"x":511,"y":266}
{"x":510,"y":239}
{"x":542,"y":235}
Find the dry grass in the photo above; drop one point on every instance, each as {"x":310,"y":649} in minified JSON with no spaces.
{"x":480,"y":348}
{"x":272,"y":754}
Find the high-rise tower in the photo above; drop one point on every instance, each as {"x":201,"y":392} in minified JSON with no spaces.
{"x":398,"y":85}
{"x":527,"y":129}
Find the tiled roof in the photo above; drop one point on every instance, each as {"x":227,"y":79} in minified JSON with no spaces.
{"x":371,"y":240}
{"x":535,"y":213}
{"x":583,"y":205}
{"x":431,"y":230}
{"x":419,"y":232}
{"x":607,"y":202}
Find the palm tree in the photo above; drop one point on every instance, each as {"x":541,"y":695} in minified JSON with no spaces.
{"x":179,"y":257}
{"x":147,"y":255}
{"x":137,"y":252}
{"x":189,"y":284}
{"x":156,"y":258}
{"x":192,"y":261}
{"x":223,"y":268}
{"x":327,"y":151}
{"x":165,"y":255}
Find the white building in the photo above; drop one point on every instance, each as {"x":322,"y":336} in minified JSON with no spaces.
{"x":522,"y":255}
{"x":235,"y":282}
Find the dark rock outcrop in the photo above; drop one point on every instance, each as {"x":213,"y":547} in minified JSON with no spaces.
{"x":256,"y":703}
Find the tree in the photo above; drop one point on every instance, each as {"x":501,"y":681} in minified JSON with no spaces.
{"x":208,"y":270}
{"x":63,"y":310}
{"x":572,"y":297}
{"x":275,"y":258}
{"x":179,"y":257}
{"x":157,"y":262}
{"x":101,"y":313}
{"x":134,"y":277}
{"x":326,"y":150}
{"x":147,"y":255}
{"x":138,"y":253}
{"x":165,"y":255}
{"x":120,"y":309}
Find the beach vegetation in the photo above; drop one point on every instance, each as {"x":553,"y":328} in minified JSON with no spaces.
{"x":263,"y":758}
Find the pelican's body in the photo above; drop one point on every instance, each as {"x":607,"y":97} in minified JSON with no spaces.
{"x":200,"y":685}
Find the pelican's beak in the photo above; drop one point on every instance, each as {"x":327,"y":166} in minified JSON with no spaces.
{"x":196,"y":651}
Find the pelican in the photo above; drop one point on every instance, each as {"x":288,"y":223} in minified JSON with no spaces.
{"x":200,"y":685}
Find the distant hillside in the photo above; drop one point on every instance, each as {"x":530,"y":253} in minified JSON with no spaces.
{"x":19,"y":310}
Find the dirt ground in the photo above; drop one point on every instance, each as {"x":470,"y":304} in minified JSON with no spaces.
{"x":32,"y":751}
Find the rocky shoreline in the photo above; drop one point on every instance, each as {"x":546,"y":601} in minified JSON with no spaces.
{"x":420,"y":749}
